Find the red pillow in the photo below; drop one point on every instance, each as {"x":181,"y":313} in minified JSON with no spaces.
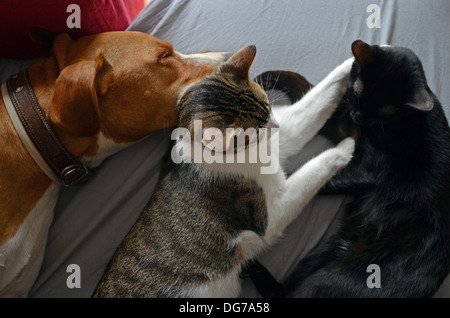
{"x":17,"y":17}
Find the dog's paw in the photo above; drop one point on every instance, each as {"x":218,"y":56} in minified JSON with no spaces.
{"x":345,"y":149}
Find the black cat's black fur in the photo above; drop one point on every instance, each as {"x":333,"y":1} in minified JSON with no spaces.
{"x":399,"y":178}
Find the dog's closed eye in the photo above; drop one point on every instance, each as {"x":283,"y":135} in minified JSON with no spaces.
{"x":164,"y":55}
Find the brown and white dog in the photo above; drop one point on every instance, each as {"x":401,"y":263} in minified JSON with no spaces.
{"x":101,"y":93}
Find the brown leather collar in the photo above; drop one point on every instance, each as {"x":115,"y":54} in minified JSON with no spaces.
{"x":62,"y":167}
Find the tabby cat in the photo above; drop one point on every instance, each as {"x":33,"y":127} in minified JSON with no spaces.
{"x":206,"y":219}
{"x":399,"y":177}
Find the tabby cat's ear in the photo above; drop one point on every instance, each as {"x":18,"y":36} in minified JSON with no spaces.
{"x":363,"y":52}
{"x":421,"y":100}
{"x":240,"y":62}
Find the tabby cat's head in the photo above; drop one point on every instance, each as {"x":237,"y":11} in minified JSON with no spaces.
{"x":386,"y":84}
{"x":227,"y":98}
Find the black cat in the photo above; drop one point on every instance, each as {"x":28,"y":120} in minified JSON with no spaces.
{"x":399,"y":219}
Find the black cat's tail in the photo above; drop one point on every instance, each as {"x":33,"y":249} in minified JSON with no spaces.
{"x":292,"y":84}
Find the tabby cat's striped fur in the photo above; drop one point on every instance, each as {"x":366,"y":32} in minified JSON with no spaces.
{"x":205,"y":220}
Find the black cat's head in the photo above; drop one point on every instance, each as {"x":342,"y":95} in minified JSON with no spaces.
{"x":386,"y":84}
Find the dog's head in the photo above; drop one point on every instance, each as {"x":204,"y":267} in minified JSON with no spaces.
{"x":120,"y":86}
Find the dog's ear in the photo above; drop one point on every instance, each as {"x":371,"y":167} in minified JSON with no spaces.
{"x":78,"y":89}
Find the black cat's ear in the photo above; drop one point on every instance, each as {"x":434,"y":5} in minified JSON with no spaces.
{"x":421,"y":100}
{"x":363,"y":53}
{"x":240,"y":62}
